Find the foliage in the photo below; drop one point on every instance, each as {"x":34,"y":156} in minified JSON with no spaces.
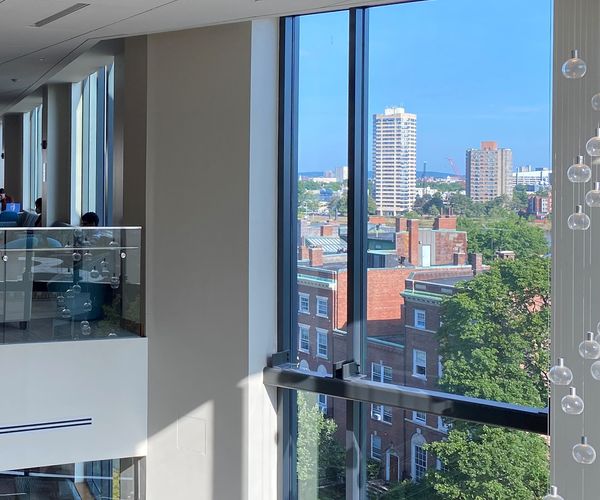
{"x":503,"y":231}
{"x":520,"y":198}
{"x":318,"y":449}
{"x":489,"y":462}
{"x":373,"y":469}
{"x":339,"y":204}
{"x":444,"y":187}
{"x":494,"y":343}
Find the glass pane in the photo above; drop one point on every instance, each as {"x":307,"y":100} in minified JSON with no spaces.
{"x":104,"y":479}
{"x":444,"y":263}
{"x":322,"y":191}
{"x":321,"y":460}
{"x":69,"y":284}
{"x":459,"y":227}
{"x":472,"y":461}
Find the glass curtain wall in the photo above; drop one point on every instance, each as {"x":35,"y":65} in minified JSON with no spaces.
{"x":422,"y":207}
{"x":32,"y":157}
{"x":91,"y":178}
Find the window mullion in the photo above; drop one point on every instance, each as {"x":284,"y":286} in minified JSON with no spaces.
{"x":357,"y":244}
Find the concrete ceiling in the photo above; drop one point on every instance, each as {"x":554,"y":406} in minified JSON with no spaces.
{"x":30,"y":56}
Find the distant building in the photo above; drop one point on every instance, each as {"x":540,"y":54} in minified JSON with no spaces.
{"x":489,"y":172}
{"x":538,"y":179}
{"x":540,"y":206}
{"x":341,"y":174}
{"x":395,"y":160}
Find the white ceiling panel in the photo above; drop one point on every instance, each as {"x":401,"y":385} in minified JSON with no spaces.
{"x":33,"y":55}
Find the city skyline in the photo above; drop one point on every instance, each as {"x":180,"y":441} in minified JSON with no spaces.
{"x":485,"y":78}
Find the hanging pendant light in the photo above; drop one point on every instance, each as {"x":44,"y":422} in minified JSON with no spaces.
{"x":572,"y":404}
{"x":584,"y":453}
{"x":592,"y":198}
{"x":596,"y":102}
{"x":575,"y":67}
{"x":553,"y":495}
{"x":579,"y":171}
{"x":589,"y":348}
{"x":578,"y":221}
{"x":592,"y":146}
{"x":560,"y":374}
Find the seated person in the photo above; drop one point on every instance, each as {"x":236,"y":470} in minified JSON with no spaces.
{"x":4,"y":199}
{"x":38,"y":210}
{"x":90,"y":219}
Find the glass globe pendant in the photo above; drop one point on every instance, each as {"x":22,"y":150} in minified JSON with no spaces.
{"x":76,"y":289}
{"x":578,"y":221}
{"x":553,"y":495}
{"x":596,"y":102}
{"x":60,"y":300}
{"x":65,"y":313}
{"x":583,"y":453}
{"x":94,"y":273}
{"x":87,"y":306}
{"x":115,"y":282}
{"x":76,"y":257}
{"x":572,"y":404}
{"x":560,"y":374}
{"x":592,"y":146}
{"x":592,"y":198}
{"x":579,"y":171}
{"x":595,"y":369}
{"x":589,"y":348}
{"x":574,"y":68}
{"x":86,"y":329}
{"x":69,"y":294}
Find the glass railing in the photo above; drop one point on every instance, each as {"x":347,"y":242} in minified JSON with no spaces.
{"x":73,"y":283}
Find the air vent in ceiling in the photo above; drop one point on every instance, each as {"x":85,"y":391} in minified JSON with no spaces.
{"x":59,"y":15}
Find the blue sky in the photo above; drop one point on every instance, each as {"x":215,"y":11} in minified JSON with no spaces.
{"x":471,"y":70}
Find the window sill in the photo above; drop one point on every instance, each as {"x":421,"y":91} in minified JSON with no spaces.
{"x":322,"y":356}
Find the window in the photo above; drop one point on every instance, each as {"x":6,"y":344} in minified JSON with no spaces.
{"x":362,"y":252}
{"x":441,"y":424}
{"x":322,"y":343}
{"x":420,"y":319}
{"x":419,"y":364}
{"x":322,"y":402}
{"x":303,"y":303}
{"x":419,"y":416}
{"x":322,"y":307}
{"x":419,"y":457}
{"x":381,"y":373}
{"x":381,"y":413}
{"x":375,"y":447}
{"x":304,"y":338}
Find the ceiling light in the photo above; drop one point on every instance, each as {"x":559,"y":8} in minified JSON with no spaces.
{"x":59,"y":15}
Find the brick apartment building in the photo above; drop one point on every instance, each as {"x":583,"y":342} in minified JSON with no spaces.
{"x":419,"y":267}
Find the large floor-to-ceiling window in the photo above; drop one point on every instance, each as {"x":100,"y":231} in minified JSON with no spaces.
{"x":414,"y":236}
{"x":92,"y":130}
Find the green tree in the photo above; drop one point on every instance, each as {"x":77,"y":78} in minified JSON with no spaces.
{"x":520,"y":198}
{"x":505,"y":231}
{"x":320,"y":458}
{"x":339,"y":204}
{"x":494,"y":343}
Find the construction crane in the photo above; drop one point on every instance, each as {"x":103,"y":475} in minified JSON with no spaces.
{"x":454,"y":167}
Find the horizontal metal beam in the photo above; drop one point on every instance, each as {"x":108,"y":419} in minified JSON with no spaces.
{"x":482,"y":411}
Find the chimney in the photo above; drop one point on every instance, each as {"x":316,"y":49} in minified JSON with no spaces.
{"x":413,"y":241}
{"x":315,"y":256}
{"x":476,"y":261}
{"x":302,"y":252}
{"x":329,"y":230}
{"x":400,"y":224}
{"x":459,"y":258}
{"x":445,"y":222}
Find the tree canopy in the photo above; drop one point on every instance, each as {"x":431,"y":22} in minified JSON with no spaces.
{"x":504,"y":230}
{"x":494,"y":345}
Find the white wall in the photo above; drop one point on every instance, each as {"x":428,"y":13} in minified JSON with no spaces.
{"x":49,"y":382}
{"x":576,"y":264}
{"x":211,"y":266}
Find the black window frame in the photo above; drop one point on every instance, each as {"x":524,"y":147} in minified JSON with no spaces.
{"x":347,"y":382}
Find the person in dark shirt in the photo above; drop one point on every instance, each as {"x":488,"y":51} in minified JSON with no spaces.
{"x":38,"y":210}
{"x":4,"y":199}
{"x":90,"y":219}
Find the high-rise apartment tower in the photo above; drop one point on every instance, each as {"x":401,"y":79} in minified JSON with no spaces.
{"x":489,"y":172}
{"x":395,"y":160}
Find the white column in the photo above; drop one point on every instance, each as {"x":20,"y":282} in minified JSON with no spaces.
{"x":211,"y":261}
